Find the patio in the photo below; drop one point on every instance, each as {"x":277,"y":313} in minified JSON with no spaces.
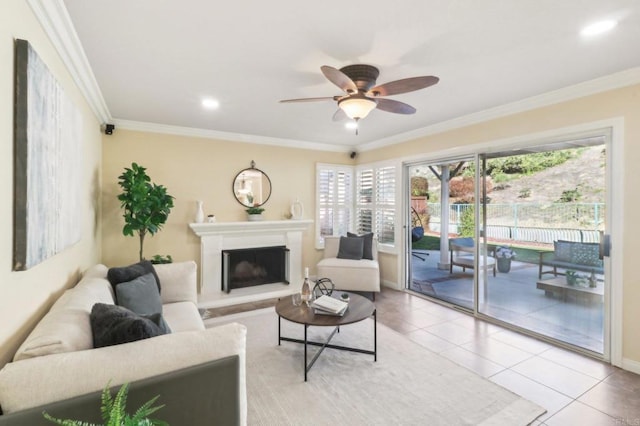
{"x":513,"y":298}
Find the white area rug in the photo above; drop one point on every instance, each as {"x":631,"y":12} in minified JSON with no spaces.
{"x":408,"y":385}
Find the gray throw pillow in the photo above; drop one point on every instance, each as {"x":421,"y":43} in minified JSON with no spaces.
{"x":367,"y":248}
{"x":113,"y":325}
{"x":350,"y":248}
{"x":125,"y":274}
{"x":141,"y":296}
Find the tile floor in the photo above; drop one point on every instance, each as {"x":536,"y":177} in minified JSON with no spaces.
{"x":575,"y":390}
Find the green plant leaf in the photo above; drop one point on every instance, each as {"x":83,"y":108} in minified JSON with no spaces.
{"x":146,"y":205}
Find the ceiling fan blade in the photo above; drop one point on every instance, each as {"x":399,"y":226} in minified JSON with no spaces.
{"x":389,"y":105}
{"x":327,"y":98}
{"x":339,"y":115}
{"x":403,"y":86}
{"x":339,"y":78}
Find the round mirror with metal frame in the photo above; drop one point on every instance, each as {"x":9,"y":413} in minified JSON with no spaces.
{"x":252,"y":187}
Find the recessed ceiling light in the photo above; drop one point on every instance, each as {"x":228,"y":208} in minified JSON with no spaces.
{"x":598,"y":27}
{"x":351,"y":125}
{"x":210,"y":103}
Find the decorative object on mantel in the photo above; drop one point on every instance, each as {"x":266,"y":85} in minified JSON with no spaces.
{"x":199,"y":212}
{"x":211,"y":218}
{"x":254,"y":213}
{"x":252,"y":187}
{"x":146,"y":205}
{"x":297,"y":210}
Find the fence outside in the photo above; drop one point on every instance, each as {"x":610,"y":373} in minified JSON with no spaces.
{"x":529,"y":222}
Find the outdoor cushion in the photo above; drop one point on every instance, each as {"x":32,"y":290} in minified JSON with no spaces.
{"x":562,"y":250}
{"x":586,"y":254}
{"x":599,"y":269}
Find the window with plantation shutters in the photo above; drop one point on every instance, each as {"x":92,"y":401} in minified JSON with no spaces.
{"x":375,"y":202}
{"x":334,"y":193}
{"x":360,"y":201}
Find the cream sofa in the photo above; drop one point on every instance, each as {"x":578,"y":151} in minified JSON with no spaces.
{"x":347,"y":274}
{"x":57,"y":361}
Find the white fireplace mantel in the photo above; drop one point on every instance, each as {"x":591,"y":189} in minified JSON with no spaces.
{"x":218,"y":236}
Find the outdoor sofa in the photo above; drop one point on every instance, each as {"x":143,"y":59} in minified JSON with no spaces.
{"x":571,"y":255}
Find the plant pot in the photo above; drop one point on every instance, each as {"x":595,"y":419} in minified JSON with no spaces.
{"x":254,"y":217}
{"x":504,"y":264}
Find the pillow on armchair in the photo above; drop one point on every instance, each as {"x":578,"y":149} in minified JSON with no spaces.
{"x":367,"y":247}
{"x":351,"y":248}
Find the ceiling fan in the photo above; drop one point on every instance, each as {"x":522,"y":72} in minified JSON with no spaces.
{"x":362,"y":95}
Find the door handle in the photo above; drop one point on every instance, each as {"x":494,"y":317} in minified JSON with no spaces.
{"x":605,"y":245}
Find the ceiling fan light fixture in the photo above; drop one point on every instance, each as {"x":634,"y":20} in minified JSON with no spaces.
{"x":357,"y":107}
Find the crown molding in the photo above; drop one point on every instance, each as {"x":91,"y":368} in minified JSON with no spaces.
{"x":228,"y":136}
{"x":602,"y":84}
{"x":55,"y":20}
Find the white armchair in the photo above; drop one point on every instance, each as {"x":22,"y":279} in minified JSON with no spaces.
{"x":348,"y":274}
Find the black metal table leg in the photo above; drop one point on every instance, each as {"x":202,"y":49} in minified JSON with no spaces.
{"x":375,"y":336}
{"x":305,"y":352}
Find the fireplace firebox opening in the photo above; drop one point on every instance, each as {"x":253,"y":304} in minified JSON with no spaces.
{"x":254,"y":266}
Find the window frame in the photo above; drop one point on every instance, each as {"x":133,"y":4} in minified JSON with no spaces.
{"x":354,"y":173}
{"x":376,"y":206}
{"x":336,"y":168}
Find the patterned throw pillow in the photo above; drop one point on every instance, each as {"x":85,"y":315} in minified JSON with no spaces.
{"x":586,"y":254}
{"x":562,"y":250}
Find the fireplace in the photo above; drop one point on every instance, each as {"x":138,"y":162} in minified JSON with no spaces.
{"x":225,"y":236}
{"x":254,"y":266}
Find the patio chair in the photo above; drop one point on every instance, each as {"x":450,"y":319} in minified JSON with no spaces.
{"x":417,"y":232}
{"x":462,"y":254}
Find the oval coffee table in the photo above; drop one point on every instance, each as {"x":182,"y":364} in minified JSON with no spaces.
{"x":360,"y":308}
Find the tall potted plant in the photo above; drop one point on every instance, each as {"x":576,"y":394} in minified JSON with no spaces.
{"x":146,"y":205}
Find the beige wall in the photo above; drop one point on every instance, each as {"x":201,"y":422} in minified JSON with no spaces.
{"x":24,"y":296}
{"x":203,"y":169}
{"x":623,"y":103}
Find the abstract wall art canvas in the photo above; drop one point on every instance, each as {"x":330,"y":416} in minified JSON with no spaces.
{"x":47,"y":165}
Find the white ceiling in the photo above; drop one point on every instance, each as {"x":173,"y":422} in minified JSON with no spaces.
{"x":155,"y":60}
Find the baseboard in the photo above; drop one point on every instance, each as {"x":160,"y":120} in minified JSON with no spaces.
{"x":631,"y":365}
{"x":391,"y":284}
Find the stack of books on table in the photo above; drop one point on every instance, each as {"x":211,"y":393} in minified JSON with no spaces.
{"x":327,"y":305}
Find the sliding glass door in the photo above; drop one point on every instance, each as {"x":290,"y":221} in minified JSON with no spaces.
{"x":519,"y":240}
{"x":544,"y":222}
{"x":442,"y":230}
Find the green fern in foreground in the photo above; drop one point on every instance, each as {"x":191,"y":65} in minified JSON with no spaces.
{"x":113,"y":411}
